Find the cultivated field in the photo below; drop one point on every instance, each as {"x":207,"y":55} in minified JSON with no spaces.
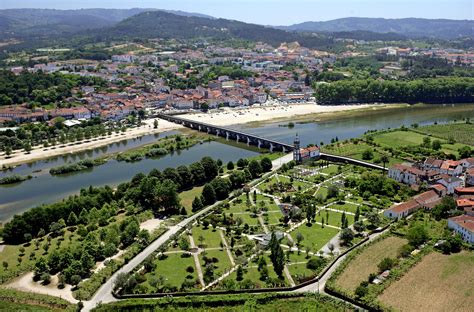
{"x":438,"y":283}
{"x":461,"y":132}
{"x":366,"y":263}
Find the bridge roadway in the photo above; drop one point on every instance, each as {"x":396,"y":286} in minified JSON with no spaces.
{"x":261,"y":142}
{"x":229,"y":134}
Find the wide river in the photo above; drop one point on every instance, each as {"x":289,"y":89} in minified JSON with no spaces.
{"x":44,"y":188}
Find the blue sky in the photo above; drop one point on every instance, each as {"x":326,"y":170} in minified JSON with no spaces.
{"x":276,"y":12}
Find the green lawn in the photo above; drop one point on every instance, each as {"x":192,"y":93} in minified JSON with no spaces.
{"x":330,"y":170}
{"x":221,"y":265}
{"x":212,"y":239}
{"x":323,"y":191}
{"x":247,"y":218}
{"x":173,"y":269}
{"x":334,"y":217}
{"x":13,"y":306}
{"x":299,"y":271}
{"x":252,"y":274}
{"x":461,"y":132}
{"x":274,"y":217}
{"x":187,"y":197}
{"x":344,"y":207}
{"x":315,"y":237}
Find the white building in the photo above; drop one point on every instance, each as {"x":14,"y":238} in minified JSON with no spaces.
{"x":404,"y":174}
{"x":463,"y":225}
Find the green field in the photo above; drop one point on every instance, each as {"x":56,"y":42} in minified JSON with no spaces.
{"x":212,"y":238}
{"x":315,"y":237}
{"x":173,"y":269}
{"x":461,"y":132}
{"x":187,"y":197}
{"x":344,"y":207}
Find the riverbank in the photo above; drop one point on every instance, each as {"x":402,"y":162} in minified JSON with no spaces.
{"x":307,"y":111}
{"x":42,"y":153}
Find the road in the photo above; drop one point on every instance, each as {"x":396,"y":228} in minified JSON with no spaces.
{"x":104,"y":294}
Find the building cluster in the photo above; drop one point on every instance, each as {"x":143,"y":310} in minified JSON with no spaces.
{"x":443,"y":178}
{"x":453,"y":56}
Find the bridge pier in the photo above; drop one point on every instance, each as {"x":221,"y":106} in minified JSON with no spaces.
{"x":238,"y":138}
{"x":284,"y":149}
{"x":271,"y":147}
{"x":217,"y":133}
{"x":227,"y":135}
{"x":259,"y":144}
{"x":248,"y":141}
{"x":199,"y":126}
{"x":208,"y":130}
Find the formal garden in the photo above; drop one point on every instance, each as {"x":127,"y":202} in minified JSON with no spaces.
{"x":279,"y":232}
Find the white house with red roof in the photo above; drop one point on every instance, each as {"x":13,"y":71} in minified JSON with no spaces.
{"x":463,"y":225}
{"x":405,"y":174}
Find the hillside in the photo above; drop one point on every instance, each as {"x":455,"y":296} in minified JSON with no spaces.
{"x":166,"y":25}
{"x":48,"y":23}
{"x":412,"y":27}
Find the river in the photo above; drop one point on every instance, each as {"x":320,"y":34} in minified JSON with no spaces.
{"x":45,"y":188}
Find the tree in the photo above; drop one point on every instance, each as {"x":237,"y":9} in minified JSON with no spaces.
{"x":266,"y":164}
{"x":436,"y":145}
{"x":333,"y":191}
{"x":367,"y":154}
{"x":426,"y":142}
{"x":359,"y":226}
{"x":384,"y":159}
{"x":230,"y":165}
{"x":27,"y":147}
{"x":362,"y":290}
{"x":208,"y":194}
{"x":417,"y":235}
{"x":277,"y":256}
{"x":72,"y":219}
{"x":5,"y":265}
{"x":121,"y":281}
{"x":41,"y":266}
{"x":373,"y":218}
{"x":357,"y":214}
{"x":241,"y":163}
{"x":240,"y":273}
{"x":386,"y":264}
{"x":443,"y":209}
{"x":211,"y":169}
{"x":299,"y":239}
{"x":465,"y":152}
{"x":155,"y":123}
{"x":315,"y":263}
{"x":197,"y":204}
{"x":255,"y":168}
{"x":346,"y":236}
{"x":185,"y":176}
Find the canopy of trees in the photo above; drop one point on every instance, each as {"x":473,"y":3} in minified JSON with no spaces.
{"x":439,"y":90}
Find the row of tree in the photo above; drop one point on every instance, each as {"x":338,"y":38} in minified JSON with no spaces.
{"x":439,"y":90}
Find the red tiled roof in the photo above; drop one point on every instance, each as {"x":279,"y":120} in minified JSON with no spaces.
{"x":464,"y":221}
{"x":411,"y":204}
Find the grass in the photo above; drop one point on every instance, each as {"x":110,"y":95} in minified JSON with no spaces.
{"x":330,"y":170}
{"x":438,"y":283}
{"x":334,"y":217}
{"x":173,"y":269}
{"x":11,"y":306}
{"x":187,"y":197}
{"x":461,"y":132}
{"x":221,"y":265}
{"x":212,"y":239}
{"x":252,"y":274}
{"x":315,"y":237}
{"x":366,"y":263}
{"x":344,"y":207}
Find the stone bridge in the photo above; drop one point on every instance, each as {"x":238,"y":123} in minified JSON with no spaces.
{"x":260,"y":142}
{"x":229,"y":134}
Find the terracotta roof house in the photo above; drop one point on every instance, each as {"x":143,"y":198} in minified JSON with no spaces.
{"x":463,"y":225}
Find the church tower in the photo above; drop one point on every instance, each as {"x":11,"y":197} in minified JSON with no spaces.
{"x":296,"y":149}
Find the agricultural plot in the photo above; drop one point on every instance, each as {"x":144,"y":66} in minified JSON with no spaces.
{"x":460,"y":132}
{"x":366,"y":262}
{"x":438,"y":283}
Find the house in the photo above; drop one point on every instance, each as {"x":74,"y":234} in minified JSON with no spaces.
{"x":405,"y":174}
{"x":470,"y":176}
{"x":264,"y":239}
{"x":402,"y":210}
{"x":467,"y":163}
{"x":432,"y":164}
{"x":452,"y":168}
{"x":465,"y":203}
{"x":289,"y":210}
{"x":450,"y":183}
{"x":464,"y":192}
{"x":440,"y":189}
{"x":464,"y":226}
{"x":426,"y":200}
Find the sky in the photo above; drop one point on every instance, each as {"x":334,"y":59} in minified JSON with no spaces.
{"x":276,"y":12}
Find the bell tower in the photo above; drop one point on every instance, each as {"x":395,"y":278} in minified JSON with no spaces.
{"x":296,"y":149}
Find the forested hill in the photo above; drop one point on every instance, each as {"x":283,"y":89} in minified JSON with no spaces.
{"x":166,"y":25}
{"x":21,"y":23}
{"x":413,"y":27}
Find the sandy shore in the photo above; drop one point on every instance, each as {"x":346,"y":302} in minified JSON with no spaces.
{"x":226,"y":116}
{"x":41,"y":152}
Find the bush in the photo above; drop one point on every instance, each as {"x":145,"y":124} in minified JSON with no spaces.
{"x":386,"y":264}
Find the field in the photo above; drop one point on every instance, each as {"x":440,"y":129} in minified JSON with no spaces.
{"x":461,"y":132}
{"x":366,"y":263}
{"x":438,"y":283}
{"x":355,"y":151}
{"x":187,"y":197}
{"x":315,"y":237}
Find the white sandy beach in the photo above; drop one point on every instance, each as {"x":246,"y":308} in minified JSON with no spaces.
{"x":227,"y":116}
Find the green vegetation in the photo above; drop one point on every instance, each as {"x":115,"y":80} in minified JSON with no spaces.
{"x":452,"y":132}
{"x":439,"y":90}
{"x":39,"y":88}
{"x":76,"y":167}
{"x":15,"y":178}
{"x":228,"y":303}
{"x":13,"y":300}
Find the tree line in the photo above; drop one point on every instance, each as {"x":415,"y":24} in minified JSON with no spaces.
{"x":158,"y":191}
{"x":439,"y":90}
